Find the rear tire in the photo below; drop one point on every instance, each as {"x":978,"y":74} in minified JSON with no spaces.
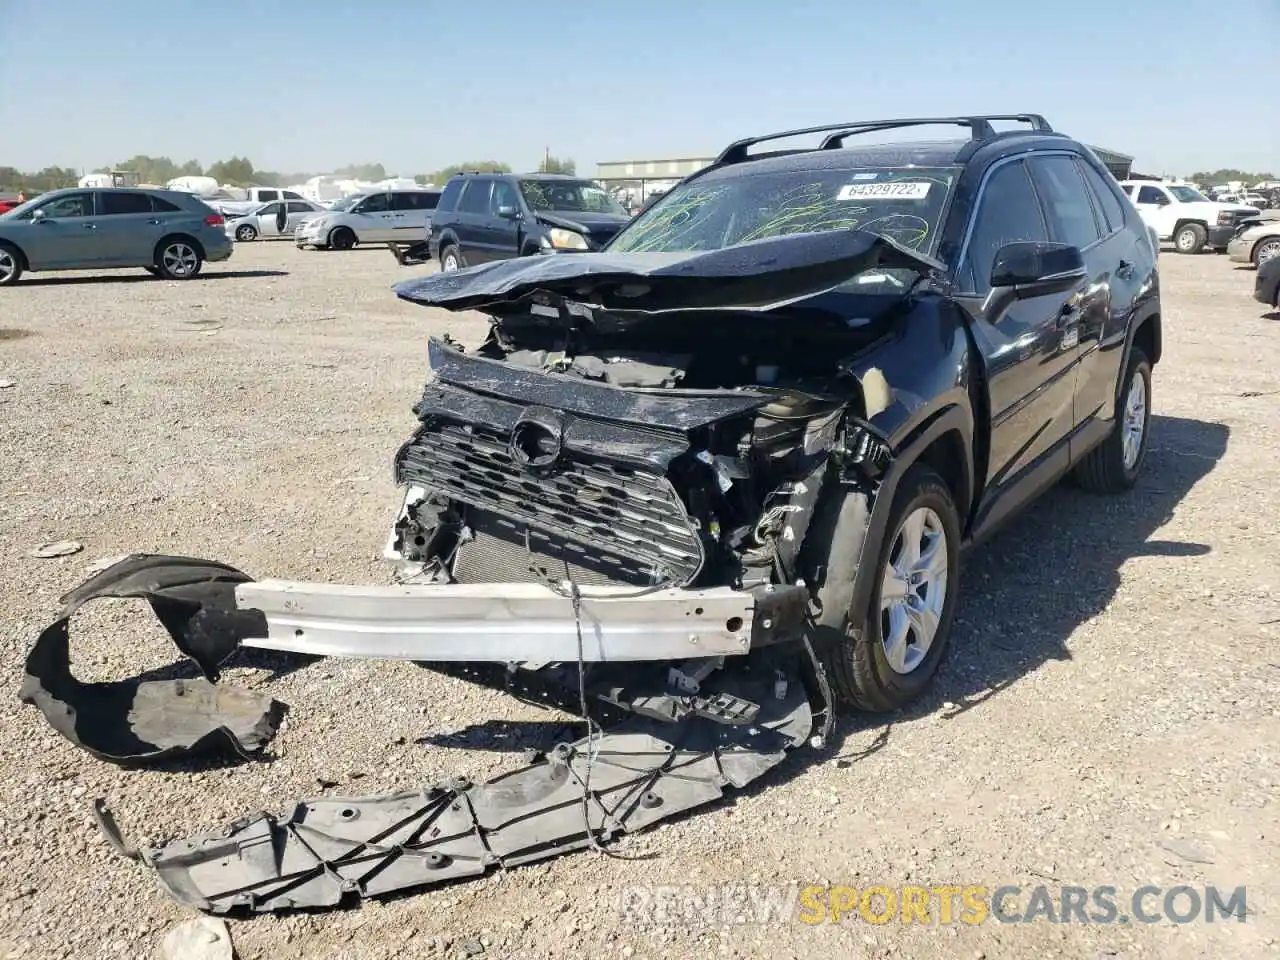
{"x":178,"y":258}
{"x":342,"y":238}
{"x":1190,"y":238}
{"x":890,"y":654}
{"x":1113,"y":466}
{"x":10,"y":265}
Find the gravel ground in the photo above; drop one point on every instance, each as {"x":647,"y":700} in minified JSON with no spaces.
{"x":1107,"y":715}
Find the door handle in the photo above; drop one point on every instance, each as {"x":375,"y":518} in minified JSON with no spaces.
{"x":154,"y":223}
{"x":91,"y":226}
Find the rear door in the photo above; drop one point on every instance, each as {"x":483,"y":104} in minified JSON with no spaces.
{"x":1030,"y":377}
{"x":409,"y":216}
{"x":1124,"y":261}
{"x":127,"y":227}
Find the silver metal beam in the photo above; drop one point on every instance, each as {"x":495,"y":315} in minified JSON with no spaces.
{"x":499,"y":622}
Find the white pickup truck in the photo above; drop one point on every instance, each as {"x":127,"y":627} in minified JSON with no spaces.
{"x":1185,"y":216}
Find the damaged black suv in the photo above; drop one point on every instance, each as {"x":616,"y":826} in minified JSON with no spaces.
{"x":820,"y":370}
{"x":700,"y":487}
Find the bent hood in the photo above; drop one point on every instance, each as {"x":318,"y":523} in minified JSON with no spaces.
{"x":760,"y":275}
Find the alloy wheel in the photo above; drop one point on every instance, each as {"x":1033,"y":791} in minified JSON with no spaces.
{"x":913,"y":590}
{"x":179,"y":259}
{"x":7,"y":265}
{"x":1135,"y":419}
{"x":1267,"y":250}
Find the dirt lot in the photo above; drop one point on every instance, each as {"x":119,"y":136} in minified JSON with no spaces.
{"x":1107,"y":715}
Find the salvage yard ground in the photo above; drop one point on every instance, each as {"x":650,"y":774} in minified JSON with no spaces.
{"x":1107,"y":715}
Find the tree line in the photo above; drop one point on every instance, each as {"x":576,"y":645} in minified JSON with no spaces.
{"x":1226,"y":175}
{"x":239,"y":171}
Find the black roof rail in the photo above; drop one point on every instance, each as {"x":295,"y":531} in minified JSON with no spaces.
{"x":979,"y":126}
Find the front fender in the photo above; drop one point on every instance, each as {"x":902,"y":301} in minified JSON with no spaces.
{"x":955,"y":418}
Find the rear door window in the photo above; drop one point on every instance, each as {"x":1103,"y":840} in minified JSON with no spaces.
{"x":1104,"y":193}
{"x":475,"y":198}
{"x":161,"y":205}
{"x":1066,"y":204}
{"x":117,"y":202}
{"x":449,"y":196}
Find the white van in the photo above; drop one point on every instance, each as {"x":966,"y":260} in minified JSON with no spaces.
{"x":387,"y":216}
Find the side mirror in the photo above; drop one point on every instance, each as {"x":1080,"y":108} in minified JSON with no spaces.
{"x":508,"y":212}
{"x":1028,"y":269}
{"x":38,"y":214}
{"x":1162,"y":201}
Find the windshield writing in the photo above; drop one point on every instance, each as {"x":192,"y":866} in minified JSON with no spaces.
{"x":904,"y":205}
{"x":569,"y":197}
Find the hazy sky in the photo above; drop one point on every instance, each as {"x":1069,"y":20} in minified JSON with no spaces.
{"x":315,"y":84}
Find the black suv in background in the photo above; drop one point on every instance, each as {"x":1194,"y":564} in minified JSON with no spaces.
{"x":484,"y":217}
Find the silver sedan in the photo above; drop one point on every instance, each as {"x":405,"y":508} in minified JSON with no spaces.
{"x":272,"y":221}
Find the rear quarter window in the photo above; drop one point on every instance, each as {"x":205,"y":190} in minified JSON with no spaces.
{"x":449,"y":196}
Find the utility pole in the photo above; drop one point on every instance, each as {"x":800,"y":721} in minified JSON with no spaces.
{"x":546,"y":159}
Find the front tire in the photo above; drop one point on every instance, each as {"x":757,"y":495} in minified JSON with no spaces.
{"x":450,"y":259}
{"x":1113,"y":466}
{"x":178,"y":258}
{"x":883,"y":658}
{"x":1265,"y":250}
{"x":1190,"y":238}
{"x":246,"y":232}
{"x":10,"y":265}
{"x":343,"y":238}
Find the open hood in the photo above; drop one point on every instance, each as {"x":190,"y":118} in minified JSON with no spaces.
{"x":760,"y":275}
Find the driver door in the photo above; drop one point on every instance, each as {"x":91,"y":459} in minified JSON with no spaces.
{"x":373,"y":219}
{"x":1030,"y":359}
{"x":66,"y":236}
{"x":1155,"y":207}
{"x":266,"y":219}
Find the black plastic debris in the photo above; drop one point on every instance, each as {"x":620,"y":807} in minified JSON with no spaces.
{"x":139,"y":720}
{"x":332,"y":851}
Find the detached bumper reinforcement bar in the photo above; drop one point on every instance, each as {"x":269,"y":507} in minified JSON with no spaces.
{"x":514,"y":622}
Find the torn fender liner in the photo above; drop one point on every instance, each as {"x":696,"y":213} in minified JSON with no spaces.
{"x":331,"y":850}
{"x":141,"y":720}
{"x":758,"y":275}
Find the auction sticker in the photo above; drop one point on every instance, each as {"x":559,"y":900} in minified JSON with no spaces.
{"x":902,"y":190}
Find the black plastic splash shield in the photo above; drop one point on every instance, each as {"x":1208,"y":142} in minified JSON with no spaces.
{"x":330,"y":851}
{"x":140,"y":720}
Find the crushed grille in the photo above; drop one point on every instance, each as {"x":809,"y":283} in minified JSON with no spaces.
{"x":623,"y":519}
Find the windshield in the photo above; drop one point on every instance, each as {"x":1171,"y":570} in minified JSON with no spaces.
{"x":902,"y":204}
{"x":569,"y":196}
{"x":346,"y":203}
{"x":1187,"y":194}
